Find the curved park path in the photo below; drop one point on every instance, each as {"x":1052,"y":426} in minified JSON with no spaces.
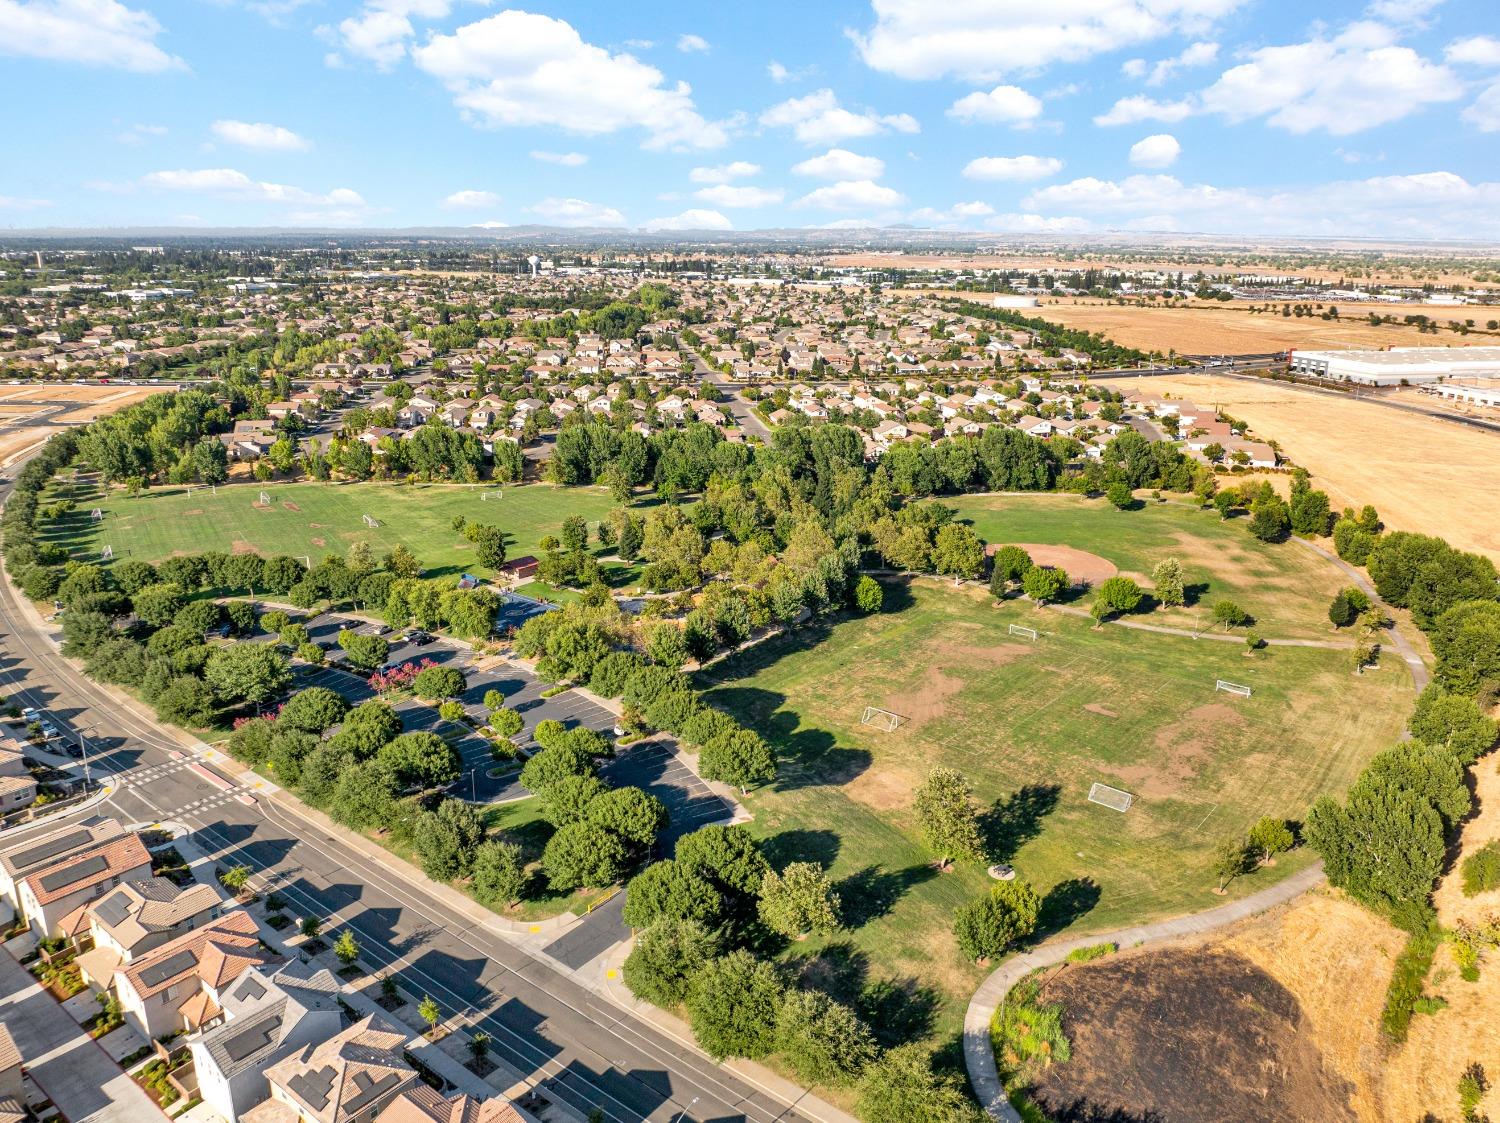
{"x":979,"y":1054}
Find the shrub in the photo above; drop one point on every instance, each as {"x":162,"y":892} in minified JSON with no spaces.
{"x":1091,"y":953}
{"x":1481,"y":870}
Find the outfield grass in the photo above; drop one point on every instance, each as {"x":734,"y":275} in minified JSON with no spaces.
{"x":1032,"y":726}
{"x":1285,"y":587}
{"x":313,"y":519}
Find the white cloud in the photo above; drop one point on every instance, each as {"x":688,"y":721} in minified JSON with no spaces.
{"x":522,"y":69}
{"x":566,"y":159}
{"x":740,"y":195}
{"x":1132,"y":110}
{"x":11,"y":203}
{"x":380,"y":31}
{"x":690,"y":43}
{"x":1158,"y":151}
{"x":840,"y":163}
{"x":1426,"y":205}
{"x":471,"y":200}
{"x":577,"y":212}
{"x":489,"y":224}
{"x":957,"y":215}
{"x":1358,"y":79}
{"x":139,"y":134}
{"x":1484,"y":114}
{"x":92,"y":32}
{"x":341,"y":205}
{"x":1002,"y":105}
{"x":1012,"y":167}
{"x":268,"y":138}
{"x":1477,"y":50}
{"x":1133,"y":68}
{"x":850,"y":195}
{"x":1036,"y":224}
{"x":819,"y":119}
{"x":737,"y":169}
{"x":691,"y":220}
{"x":1401,"y":11}
{"x":1195,"y":54}
{"x":984,"y":39}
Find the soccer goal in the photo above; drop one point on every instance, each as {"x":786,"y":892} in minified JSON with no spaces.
{"x":371,"y":522}
{"x":106,"y":553}
{"x":1231,"y":688}
{"x":97,"y":514}
{"x":1020,"y":630}
{"x":881,"y":719}
{"x":486,"y":496}
{"x":265,"y":499}
{"x":1113,"y":798}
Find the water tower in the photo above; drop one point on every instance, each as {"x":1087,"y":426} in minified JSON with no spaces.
{"x":535,"y":263}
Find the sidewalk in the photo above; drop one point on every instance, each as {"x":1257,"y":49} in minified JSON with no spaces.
{"x":979,"y":1053}
{"x":611,"y":984}
{"x":75,"y":1072}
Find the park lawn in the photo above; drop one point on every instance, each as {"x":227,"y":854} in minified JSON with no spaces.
{"x":313,"y":519}
{"x":1284,"y":586}
{"x":1032,"y":726}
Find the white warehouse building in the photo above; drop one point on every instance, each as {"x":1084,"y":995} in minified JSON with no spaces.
{"x":1410,"y":365}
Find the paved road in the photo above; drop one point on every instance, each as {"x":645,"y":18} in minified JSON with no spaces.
{"x":542,"y":1021}
{"x":72,"y":1068}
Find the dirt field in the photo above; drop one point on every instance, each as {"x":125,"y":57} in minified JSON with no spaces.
{"x":1421,"y":473}
{"x":19,"y":403}
{"x":1185,"y":1038}
{"x":1082,"y":567}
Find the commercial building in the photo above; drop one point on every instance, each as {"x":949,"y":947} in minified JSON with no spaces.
{"x":1412,"y":366}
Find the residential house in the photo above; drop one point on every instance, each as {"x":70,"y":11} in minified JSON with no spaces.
{"x":12,"y":1091}
{"x":348,"y":1078}
{"x":17,"y":786}
{"x":32,"y":853}
{"x":51,"y":893}
{"x":134,"y":920}
{"x":416,"y":411}
{"x":422,"y":1104}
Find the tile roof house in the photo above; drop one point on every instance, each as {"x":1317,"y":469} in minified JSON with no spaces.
{"x":421,"y":1104}
{"x":178,"y":985}
{"x":31,"y":854}
{"x":12,"y":1091}
{"x":349,"y":1078}
{"x":51,"y":893}
{"x":266,"y":1015}
{"x":134,"y":920}
{"x":17,"y":786}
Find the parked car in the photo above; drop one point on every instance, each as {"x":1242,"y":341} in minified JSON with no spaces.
{"x":418,"y":638}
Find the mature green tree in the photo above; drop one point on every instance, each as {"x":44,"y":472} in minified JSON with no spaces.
{"x":364,"y":653}
{"x":1167,"y":583}
{"x":498,"y":874}
{"x":901,"y":1087}
{"x":437,"y":683}
{"x":1384,"y":848}
{"x":1119,"y":595}
{"x":506,"y":722}
{"x":672,"y":890}
{"x":1270,"y":836}
{"x":550,"y":765}
{"x":869,"y":595}
{"x":1270,"y":519}
{"x":1341,"y":611}
{"x":728,"y":856}
{"x":957,"y":551}
{"x":446,"y":839}
{"x":1009,"y":565}
{"x":568,"y":799}
{"x":1466,"y":641}
{"x":186,"y":700}
{"x":1043,"y":584}
{"x":987,"y":927}
{"x":248,"y":672}
{"x":364,"y":797}
{"x":732,"y":1004}
{"x":314,"y":710}
{"x":1453,"y":722}
{"x":1229,"y":614}
{"x":798,"y":901}
{"x":945,"y":809}
{"x":1432,"y":773}
{"x":1120,"y":495}
{"x":158,"y":604}
{"x":823,"y":1041}
{"x":665,"y":959}
{"x":741,"y":758}
{"x":420,"y":759}
{"x":584,"y":855}
{"x":634,"y":815}
{"x":489,"y":544}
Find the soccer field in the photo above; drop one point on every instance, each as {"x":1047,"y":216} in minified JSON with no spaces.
{"x":313,"y":519}
{"x":1032,"y":726}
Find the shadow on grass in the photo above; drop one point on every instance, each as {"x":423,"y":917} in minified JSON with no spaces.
{"x":809,"y":757}
{"x":1065,"y":902}
{"x":1017,"y":819}
{"x":870,"y":893}
{"x":820,"y":846}
{"x":898,"y":1010}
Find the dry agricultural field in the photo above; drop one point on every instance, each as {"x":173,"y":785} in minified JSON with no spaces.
{"x":1421,"y":473}
{"x":22,"y":404}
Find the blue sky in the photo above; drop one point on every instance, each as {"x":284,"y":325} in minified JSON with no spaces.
{"x":1376,"y":118}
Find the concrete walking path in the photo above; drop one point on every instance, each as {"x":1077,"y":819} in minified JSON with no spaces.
{"x":979,"y":1054}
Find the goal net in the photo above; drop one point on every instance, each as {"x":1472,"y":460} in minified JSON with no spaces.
{"x":107,"y":553}
{"x":1020,"y":630}
{"x":265,"y":499}
{"x":96,"y":514}
{"x":1113,"y":798}
{"x":486,"y":496}
{"x":371,"y":522}
{"x":1231,"y":688}
{"x":881,"y":719}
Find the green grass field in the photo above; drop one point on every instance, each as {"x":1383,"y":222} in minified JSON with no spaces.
{"x":1285,"y":586}
{"x":314,"y":519}
{"x":1033,"y":726}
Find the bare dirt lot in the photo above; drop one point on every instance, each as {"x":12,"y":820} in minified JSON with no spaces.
{"x":17,"y":403}
{"x":1421,"y":473}
{"x":1186,"y":1038}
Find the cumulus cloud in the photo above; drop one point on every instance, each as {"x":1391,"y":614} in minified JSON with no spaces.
{"x":1477,"y":50}
{"x":522,"y":69}
{"x":267,"y":138}
{"x":1353,"y":81}
{"x":1132,"y":110}
{"x":92,"y":32}
{"x":1425,"y":205}
{"x":236,"y":186}
{"x":1002,"y":105}
{"x":691,"y":220}
{"x":984,"y":39}
{"x":1012,"y":167}
{"x":380,"y":32}
{"x":471,"y":200}
{"x":840,"y":163}
{"x":957,"y":215}
{"x":690,"y":43}
{"x":1013,"y":223}
{"x":577,"y":212}
{"x":566,"y":159}
{"x":139,"y":134}
{"x":1484,"y":114}
{"x":852,"y":195}
{"x":1158,"y":151}
{"x":740,"y":195}
{"x":819,"y":119}
{"x":724,"y":173}
{"x":1195,"y":54}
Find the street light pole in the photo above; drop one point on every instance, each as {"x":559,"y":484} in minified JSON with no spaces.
{"x":681,"y":1114}
{"x":84,"y":745}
